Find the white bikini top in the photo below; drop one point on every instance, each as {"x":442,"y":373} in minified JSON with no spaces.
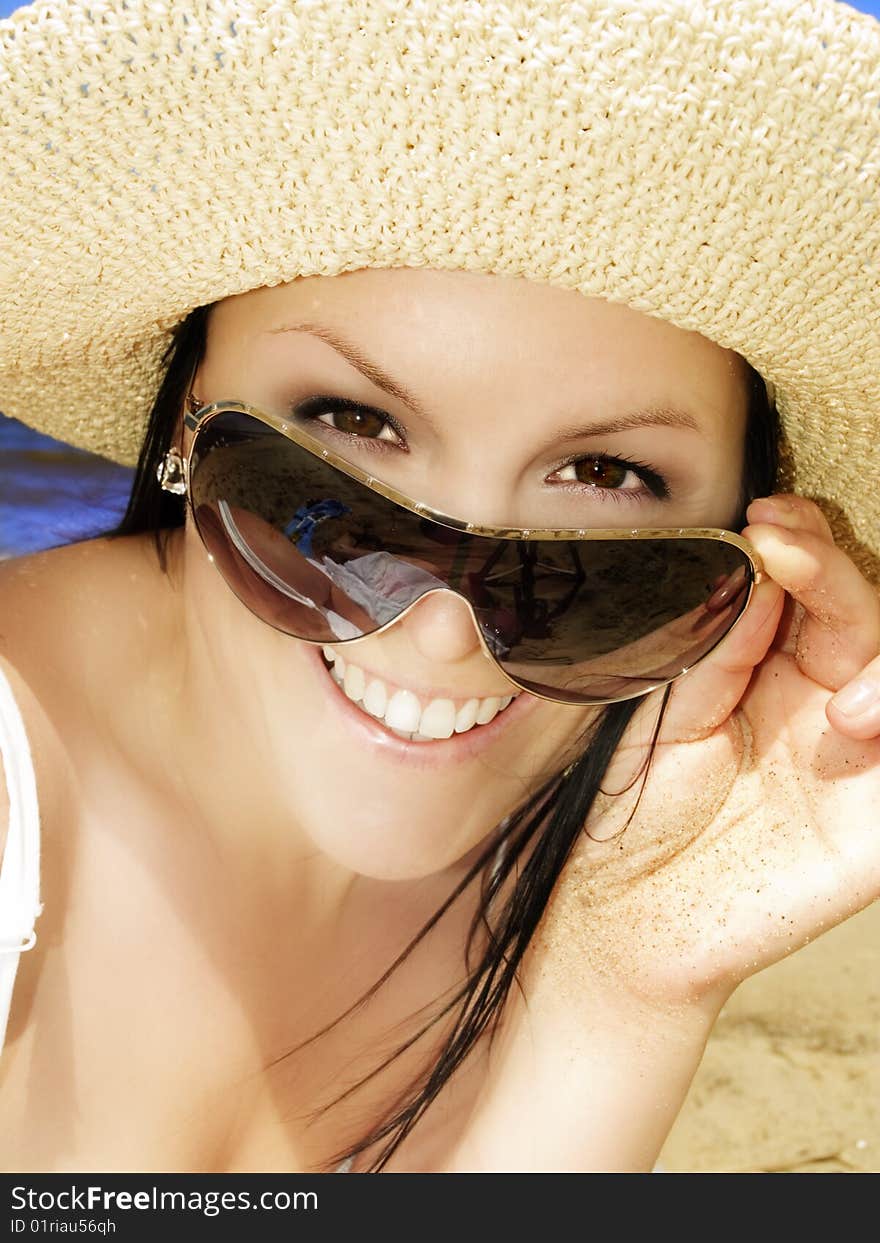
{"x":20,"y":871}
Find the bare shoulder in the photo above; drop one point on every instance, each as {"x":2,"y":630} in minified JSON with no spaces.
{"x":77,"y":625}
{"x":74,"y":631}
{"x":4,"y":788}
{"x":66,"y":613}
{"x":62,"y":632}
{"x":66,"y":650}
{"x":30,"y":663}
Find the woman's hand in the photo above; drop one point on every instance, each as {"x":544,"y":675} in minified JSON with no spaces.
{"x":757,"y":829}
{"x":759,"y":824}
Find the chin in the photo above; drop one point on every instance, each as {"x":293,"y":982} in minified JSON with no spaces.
{"x":374,"y":803}
{"x":391,"y":839}
{"x":393,"y":808}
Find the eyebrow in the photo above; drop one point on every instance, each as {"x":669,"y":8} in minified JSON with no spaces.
{"x":656,"y":416}
{"x":357,"y":358}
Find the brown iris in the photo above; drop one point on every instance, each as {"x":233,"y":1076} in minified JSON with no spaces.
{"x":358,"y":422}
{"x":603,"y":472}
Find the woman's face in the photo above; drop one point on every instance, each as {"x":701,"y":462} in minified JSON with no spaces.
{"x":497,"y":400}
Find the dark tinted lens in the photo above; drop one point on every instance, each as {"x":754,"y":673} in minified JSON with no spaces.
{"x":309,"y":550}
{"x":609,"y":619}
{"x":322,"y":556}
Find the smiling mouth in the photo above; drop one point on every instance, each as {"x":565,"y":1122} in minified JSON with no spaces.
{"x":406,"y":714}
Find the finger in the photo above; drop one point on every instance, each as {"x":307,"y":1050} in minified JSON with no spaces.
{"x":787,"y":510}
{"x":839,"y":632}
{"x":855,"y":709}
{"x":705,"y":697}
{"x":786,"y":636}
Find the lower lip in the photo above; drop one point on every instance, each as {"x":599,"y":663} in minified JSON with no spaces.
{"x":425,"y":755}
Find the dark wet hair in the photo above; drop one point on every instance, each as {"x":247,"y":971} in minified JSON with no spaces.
{"x":543,"y":831}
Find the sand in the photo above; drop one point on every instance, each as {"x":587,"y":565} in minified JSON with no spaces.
{"x":790,"y":1080}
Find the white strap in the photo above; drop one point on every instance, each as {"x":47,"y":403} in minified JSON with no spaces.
{"x":20,"y":871}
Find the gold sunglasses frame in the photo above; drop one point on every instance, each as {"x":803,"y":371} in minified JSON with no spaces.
{"x":175,"y":477}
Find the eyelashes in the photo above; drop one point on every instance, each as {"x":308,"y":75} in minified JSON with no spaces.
{"x":360,"y":418}
{"x":603,"y":469}
{"x":375,"y":431}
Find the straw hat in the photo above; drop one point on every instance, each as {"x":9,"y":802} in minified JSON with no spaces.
{"x":711,"y":162}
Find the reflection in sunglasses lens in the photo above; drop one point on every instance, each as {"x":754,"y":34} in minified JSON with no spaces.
{"x":322,"y":556}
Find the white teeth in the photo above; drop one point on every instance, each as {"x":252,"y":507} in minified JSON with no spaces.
{"x":354,"y":682}
{"x":438,"y":719}
{"x":487,"y":710}
{"x":466,"y":716}
{"x":403,"y":711}
{"x":376,"y":698}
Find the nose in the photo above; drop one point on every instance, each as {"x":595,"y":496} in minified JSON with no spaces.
{"x":441,"y":627}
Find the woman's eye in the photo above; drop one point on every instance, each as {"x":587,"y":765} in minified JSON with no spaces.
{"x":603,"y":472}
{"x":358,"y":423}
{"x":349,"y":417}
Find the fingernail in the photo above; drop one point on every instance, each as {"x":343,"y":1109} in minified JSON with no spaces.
{"x":776,"y":509}
{"x":857,"y":697}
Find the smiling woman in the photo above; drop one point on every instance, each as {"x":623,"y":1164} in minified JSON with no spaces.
{"x":455,"y":637}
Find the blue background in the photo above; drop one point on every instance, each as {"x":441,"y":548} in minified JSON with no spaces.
{"x":53,"y":494}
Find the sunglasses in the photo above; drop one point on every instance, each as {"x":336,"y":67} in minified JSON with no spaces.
{"x":320,"y":549}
